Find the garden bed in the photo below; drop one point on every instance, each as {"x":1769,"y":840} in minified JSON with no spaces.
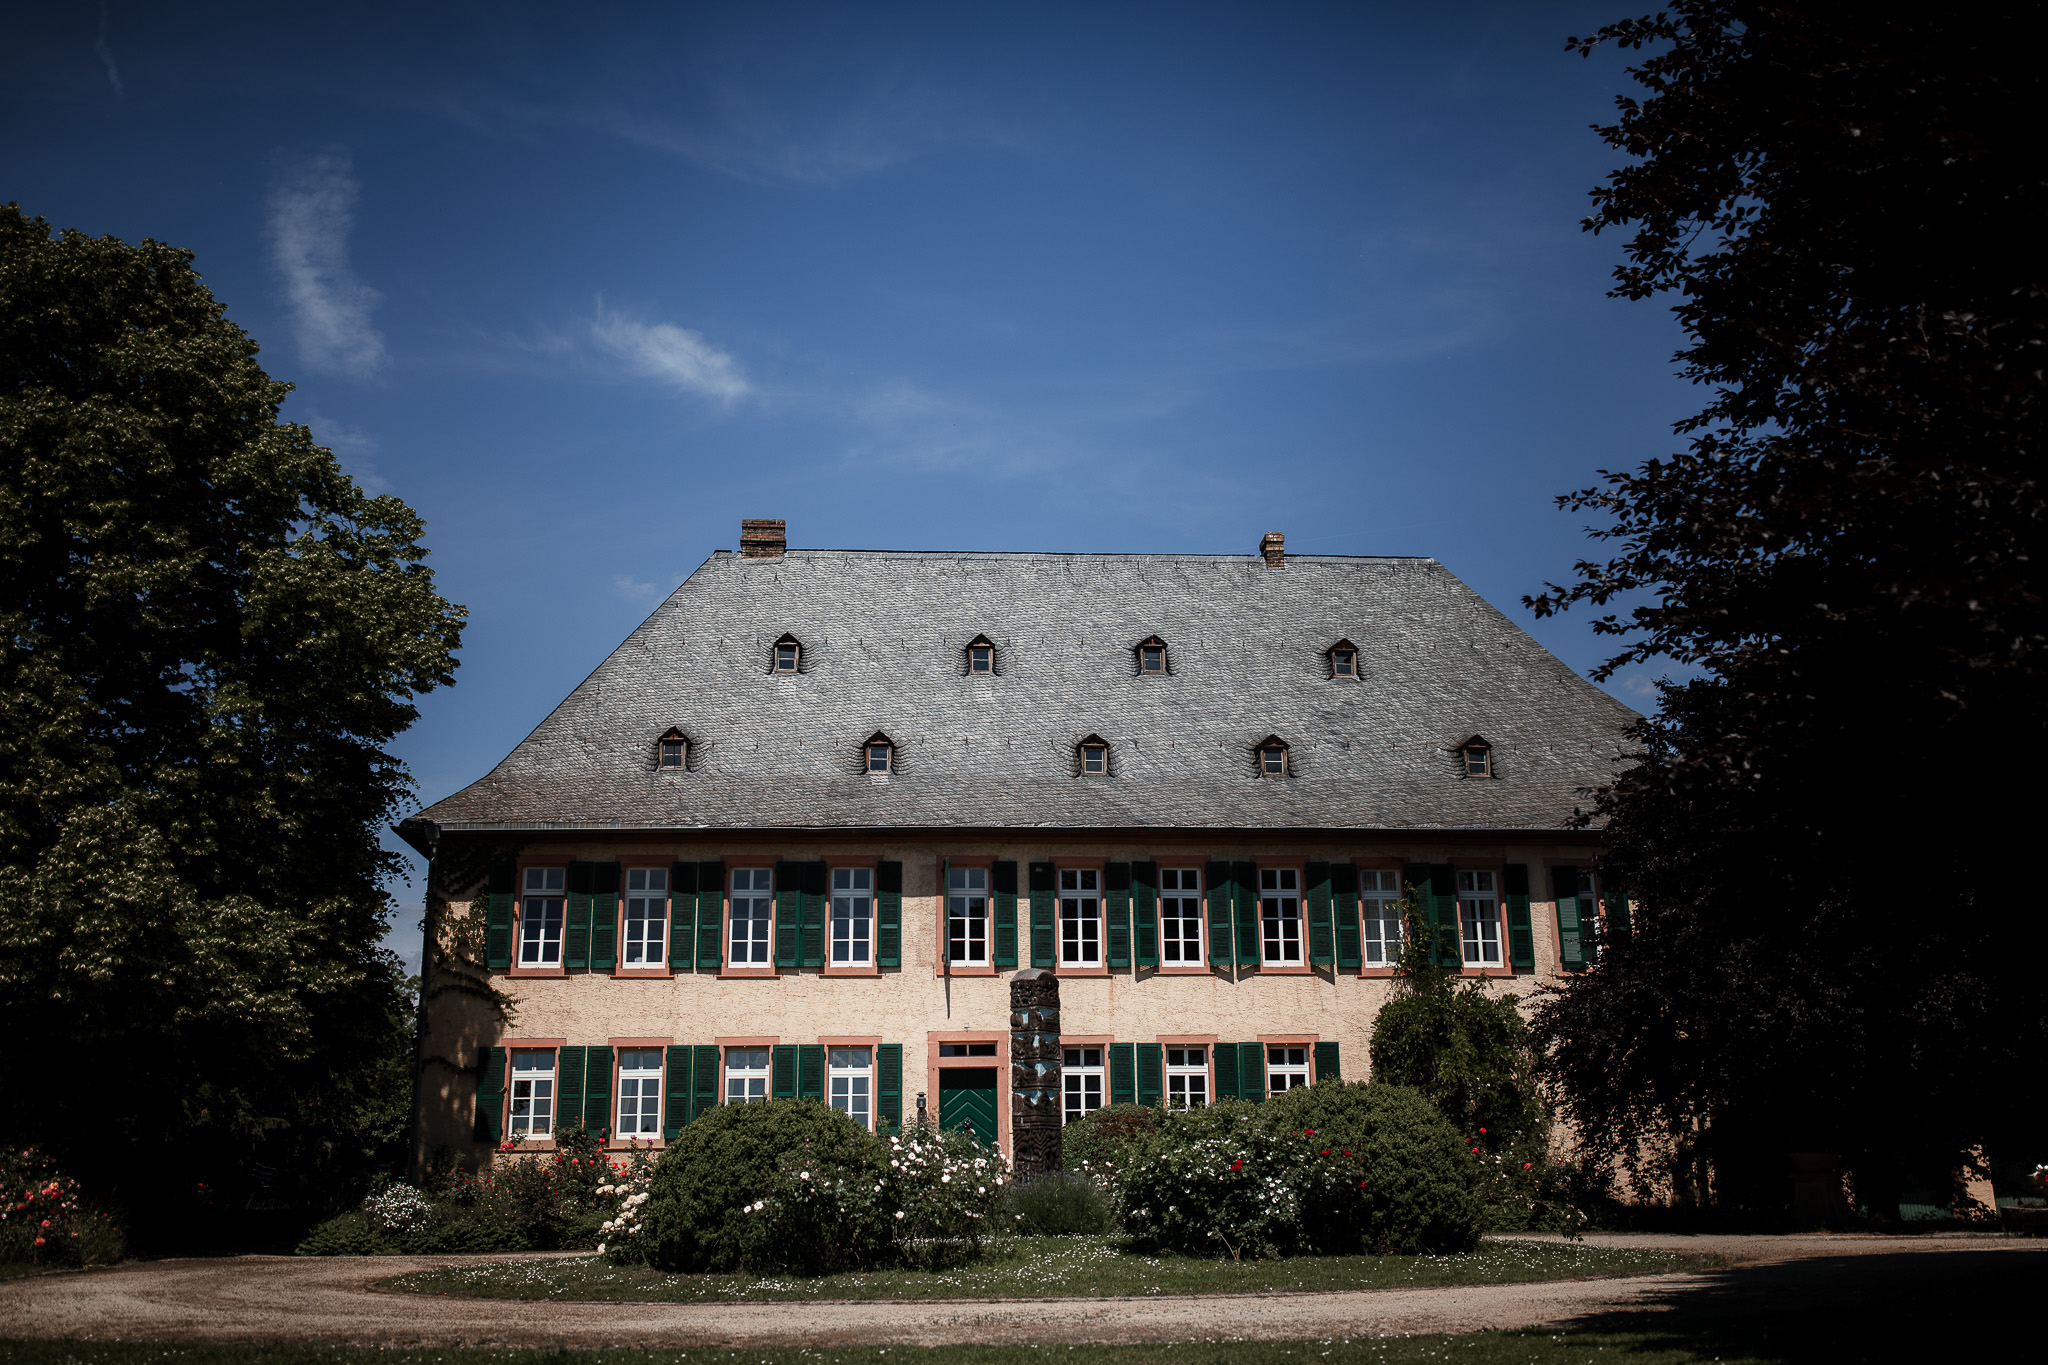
{"x":1052,"y":1267}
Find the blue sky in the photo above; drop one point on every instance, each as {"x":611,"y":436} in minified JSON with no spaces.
{"x":586,"y":287}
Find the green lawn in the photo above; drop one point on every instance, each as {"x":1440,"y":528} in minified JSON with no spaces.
{"x":1042,"y":1267}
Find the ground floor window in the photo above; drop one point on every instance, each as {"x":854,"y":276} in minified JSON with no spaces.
{"x":1187,"y":1077}
{"x":746,"y":1074}
{"x":852,"y":1084}
{"x":640,"y":1092}
{"x":533,"y":1092}
{"x":1286,"y":1067}
{"x":1081,"y":1075}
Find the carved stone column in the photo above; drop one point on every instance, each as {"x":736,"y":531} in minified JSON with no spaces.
{"x":1035,"y":1101}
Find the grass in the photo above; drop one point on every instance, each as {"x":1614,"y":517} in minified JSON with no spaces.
{"x":1050,"y":1267}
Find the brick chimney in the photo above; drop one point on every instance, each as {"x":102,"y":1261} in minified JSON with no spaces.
{"x":1273,"y":546}
{"x":763,"y":537}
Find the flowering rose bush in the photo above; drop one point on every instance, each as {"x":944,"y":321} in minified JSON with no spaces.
{"x":45,"y":1221}
{"x":1417,"y":1180}
{"x":397,"y":1209}
{"x":1218,"y":1183}
{"x":946,"y":1189}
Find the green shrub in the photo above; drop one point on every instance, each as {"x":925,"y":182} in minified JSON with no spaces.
{"x":348,"y":1235}
{"x":945,"y":1188}
{"x":1419,"y":1177}
{"x":821,"y":1216}
{"x":1096,"y":1144}
{"x":696,"y":1218}
{"x":1056,"y":1204}
{"x":1220,"y":1181}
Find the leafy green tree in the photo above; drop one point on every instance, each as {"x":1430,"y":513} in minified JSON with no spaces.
{"x":1464,"y":1047}
{"x":1831,"y":833}
{"x":208,"y":638}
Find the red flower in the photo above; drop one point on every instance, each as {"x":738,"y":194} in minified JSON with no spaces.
{"x":1361,"y":1184}
{"x":1308,"y":1132}
{"x":1236,"y":1165}
{"x":1526,"y":1165}
{"x":1482,"y":1130}
{"x":1326,"y":1151}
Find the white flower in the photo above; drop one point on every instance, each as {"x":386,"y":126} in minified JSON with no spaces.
{"x":899,"y":1213}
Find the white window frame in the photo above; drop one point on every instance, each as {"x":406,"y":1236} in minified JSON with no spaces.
{"x":644,"y":931}
{"x":1152,"y":658}
{"x":1280,"y":916}
{"x":1080,"y":917}
{"x":742,"y":1075}
{"x":639,"y":1081}
{"x":967,"y":916}
{"x":850,"y":1083}
{"x":1286,"y":1062}
{"x":750,"y":920}
{"x":981,"y":659}
{"x":1180,"y":901}
{"x":1384,"y":913}
{"x":881,"y":758}
{"x":543,"y":912}
{"x":1479,"y":916}
{"x":853,"y":916}
{"x":1187,"y":1076}
{"x":796,"y":657}
{"x":531,"y":1114}
{"x":1084,"y":1082}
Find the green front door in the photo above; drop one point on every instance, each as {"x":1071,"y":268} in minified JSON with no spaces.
{"x":967,"y":1098}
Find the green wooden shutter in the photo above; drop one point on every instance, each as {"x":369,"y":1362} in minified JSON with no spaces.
{"x":1123,"y":1074}
{"x":490,"y":1097}
{"x":815,"y":901}
{"x":1151,"y":1073}
{"x":1322,"y":933}
{"x":1116,"y":909}
{"x":810,"y":1072}
{"x":1003,"y":879}
{"x":1145,"y":914}
{"x":889,"y":1087}
{"x":1245,"y":877}
{"x":682,"y":914}
{"x":569,"y":1087}
{"x":500,"y":892}
{"x":576,"y":941}
{"x":1344,"y":908}
{"x":1328,"y":1068}
{"x":888,"y":914}
{"x":789,"y":914}
{"x":604,"y":919}
{"x":1228,"y":1082}
{"x":782,"y":1072}
{"x":710,"y":914}
{"x":597,"y":1090}
{"x":1216,"y":884}
{"x":1251,"y":1071}
{"x":1044,"y":917}
{"x":1443,"y":902}
{"x":1571,"y":943}
{"x":675,"y":1099}
{"x":1617,"y":921}
{"x":703,"y":1079}
{"x":1521,"y":934}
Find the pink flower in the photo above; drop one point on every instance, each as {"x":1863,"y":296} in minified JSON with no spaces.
{"x":1526,"y":1165}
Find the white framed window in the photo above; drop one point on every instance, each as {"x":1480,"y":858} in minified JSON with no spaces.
{"x":853,"y":914}
{"x":1380,"y":906}
{"x":850,"y":1078}
{"x":981,"y":659}
{"x":1286,"y":1067}
{"x":746,"y":1074}
{"x":1280,"y":914}
{"x":540,"y":917}
{"x":646,"y":915}
{"x":788,"y":653}
{"x":1180,"y":915}
{"x":639,"y":1092}
{"x":967,"y":916}
{"x":1094,"y":758}
{"x":879,"y":758}
{"x":533,"y":1092}
{"x":753,"y":910}
{"x":1081,"y":1076}
{"x":1479,"y":917}
{"x":1080,"y":917}
{"x":1187,"y":1077}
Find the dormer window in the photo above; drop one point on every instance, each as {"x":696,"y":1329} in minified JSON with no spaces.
{"x":881,"y":753}
{"x":1152,"y":655}
{"x":1094,"y":756}
{"x":1343,"y":660}
{"x":1475,"y":757}
{"x":1273,"y":757}
{"x":672,"y":750}
{"x":789,"y":655}
{"x":981,"y":655}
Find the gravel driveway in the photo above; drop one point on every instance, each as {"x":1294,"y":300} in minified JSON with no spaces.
{"x":331,"y":1301}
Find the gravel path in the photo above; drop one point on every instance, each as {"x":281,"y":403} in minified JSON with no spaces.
{"x":330,"y":1301}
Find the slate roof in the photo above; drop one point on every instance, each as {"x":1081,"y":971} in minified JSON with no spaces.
{"x":884,"y":635}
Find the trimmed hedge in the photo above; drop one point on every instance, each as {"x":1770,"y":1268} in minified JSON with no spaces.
{"x":1421,"y":1182}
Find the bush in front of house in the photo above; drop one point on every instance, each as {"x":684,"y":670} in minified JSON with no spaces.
{"x":45,"y":1219}
{"x":1218,"y":1182}
{"x":945,"y":1188}
{"x":1096,"y":1145}
{"x":1417,"y":1190}
{"x":1056,"y":1204}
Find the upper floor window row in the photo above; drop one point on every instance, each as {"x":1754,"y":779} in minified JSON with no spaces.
{"x":981,"y":656}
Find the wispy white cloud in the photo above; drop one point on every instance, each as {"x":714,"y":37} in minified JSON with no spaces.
{"x":354,"y":449}
{"x":631,"y":590}
{"x":311,"y":211}
{"x":671,"y":354}
{"x":106,"y":54}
